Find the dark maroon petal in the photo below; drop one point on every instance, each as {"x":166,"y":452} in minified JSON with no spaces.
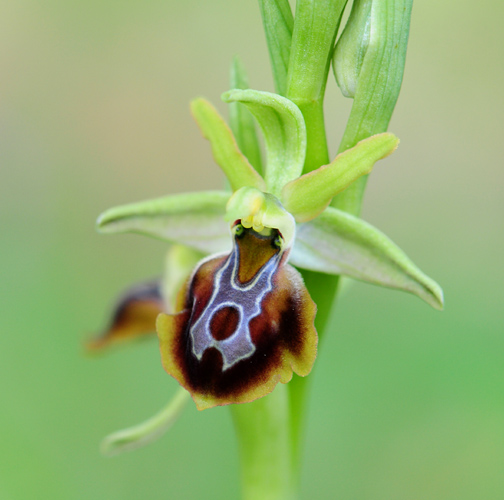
{"x":134,"y":315}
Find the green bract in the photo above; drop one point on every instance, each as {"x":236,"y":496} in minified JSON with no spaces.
{"x":327,"y":241}
{"x":369,"y":60}
{"x":368,"y":64}
{"x":278,"y":24}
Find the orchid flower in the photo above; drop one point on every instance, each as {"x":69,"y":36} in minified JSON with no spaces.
{"x":243,"y":320}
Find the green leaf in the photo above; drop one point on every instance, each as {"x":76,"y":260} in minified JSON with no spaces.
{"x":225,"y":150}
{"x":379,"y":76}
{"x":148,"y":431}
{"x":278,"y":23}
{"x":307,"y":196}
{"x":241,"y":120}
{"x":192,"y":219}
{"x":284,"y":133}
{"x":339,"y":243}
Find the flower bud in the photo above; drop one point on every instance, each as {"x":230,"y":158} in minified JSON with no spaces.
{"x":351,"y":47}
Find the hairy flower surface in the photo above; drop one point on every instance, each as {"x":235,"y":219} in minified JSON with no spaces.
{"x":246,"y":323}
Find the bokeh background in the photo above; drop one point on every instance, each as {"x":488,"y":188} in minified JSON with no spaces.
{"x":407,"y":402}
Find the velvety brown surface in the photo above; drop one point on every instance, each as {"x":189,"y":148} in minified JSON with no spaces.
{"x":283,"y":333}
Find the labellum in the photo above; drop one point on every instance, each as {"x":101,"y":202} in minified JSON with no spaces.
{"x":245,"y":322}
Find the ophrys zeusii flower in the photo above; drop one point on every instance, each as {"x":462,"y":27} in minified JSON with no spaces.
{"x":243,"y":319}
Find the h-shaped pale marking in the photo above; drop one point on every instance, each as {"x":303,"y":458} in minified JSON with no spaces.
{"x":246,"y":299}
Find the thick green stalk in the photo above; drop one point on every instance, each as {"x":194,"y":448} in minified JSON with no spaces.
{"x":265,"y":447}
{"x":315,"y":26}
{"x":270,"y":429}
{"x":377,"y":92}
{"x":379,"y":82}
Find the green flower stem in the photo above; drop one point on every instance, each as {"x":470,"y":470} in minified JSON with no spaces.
{"x":381,"y":74}
{"x":270,"y":430}
{"x":323,"y":290}
{"x":315,"y":26}
{"x":265,"y":447}
{"x":317,"y":153}
{"x":262,"y":427}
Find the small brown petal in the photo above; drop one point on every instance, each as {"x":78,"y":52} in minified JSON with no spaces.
{"x":134,"y":315}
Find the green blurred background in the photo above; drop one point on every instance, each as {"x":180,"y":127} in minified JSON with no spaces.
{"x":407,"y":402}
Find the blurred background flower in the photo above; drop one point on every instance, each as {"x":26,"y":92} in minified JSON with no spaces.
{"x":94,"y":113}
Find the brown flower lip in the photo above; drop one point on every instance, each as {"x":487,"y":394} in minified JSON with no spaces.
{"x":245,"y":324}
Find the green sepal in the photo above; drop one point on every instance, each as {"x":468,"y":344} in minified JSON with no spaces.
{"x":308,"y":196}
{"x":241,"y":121}
{"x":148,"y":431}
{"x":284,"y":133}
{"x":339,"y":243}
{"x":192,"y":219}
{"x":225,"y":150}
{"x":278,"y":24}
